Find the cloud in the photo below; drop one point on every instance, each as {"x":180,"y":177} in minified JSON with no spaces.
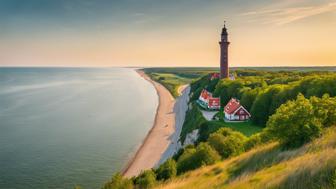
{"x":289,"y":15}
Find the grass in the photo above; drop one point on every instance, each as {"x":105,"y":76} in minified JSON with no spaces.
{"x":269,"y":166}
{"x":171,"y":81}
{"x":246,"y":128}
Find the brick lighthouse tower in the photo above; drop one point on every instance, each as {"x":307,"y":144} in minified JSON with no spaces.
{"x":224,"y":45}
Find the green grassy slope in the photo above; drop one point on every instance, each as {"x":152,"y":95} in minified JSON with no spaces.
{"x":310,"y":166}
{"x":171,"y":81}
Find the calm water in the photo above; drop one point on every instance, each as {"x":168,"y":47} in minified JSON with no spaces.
{"x":65,"y":126}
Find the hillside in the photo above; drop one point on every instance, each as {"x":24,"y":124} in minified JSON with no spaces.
{"x":310,"y":166}
{"x":287,"y":143}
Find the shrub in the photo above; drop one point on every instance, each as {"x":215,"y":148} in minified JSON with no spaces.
{"x":146,"y":179}
{"x":167,"y":170}
{"x":294,"y":123}
{"x":118,"y":182}
{"x":194,"y":158}
{"x":256,"y":140}
{"x":252,"y":141}
{"x":227,"y":142}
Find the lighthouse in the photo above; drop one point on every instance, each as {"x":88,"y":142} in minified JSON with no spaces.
{"x":224,"y":45}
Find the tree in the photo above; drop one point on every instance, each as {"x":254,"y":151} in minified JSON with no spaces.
{"x":167,"y":170}
{"x":262,"y":106}
{"x":118,"y":182}
{"x":248,"y":97}
{"x":227,"y":142}
{"x":294,"y":123}
{"x":325,"y":109}
{"x":146,"y":180}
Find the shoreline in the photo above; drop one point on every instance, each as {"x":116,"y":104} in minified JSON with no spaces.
{"x":157,"y":140}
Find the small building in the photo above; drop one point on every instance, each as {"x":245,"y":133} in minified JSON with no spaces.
{"x":206,"y":100}
{"x":205,"y":95}
{"x":214,"y":76}
{"x":234,"y":111}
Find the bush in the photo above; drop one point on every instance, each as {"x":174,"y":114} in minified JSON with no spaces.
{"x":146,"y":180}
{"x":294,"y":123}
{"x":118,"y":182}
{"x":167,"y":170}
{"x":194,"y":158}
{"x":227,"y":142}
{"x":256,"y":140}
{"x":252,"y":141}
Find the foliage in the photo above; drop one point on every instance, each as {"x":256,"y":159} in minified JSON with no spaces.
{"x":194,"y":158}
{"x":248,"y":97}
{"x":294,"y":123}
{"x":270,"y":98}
{"x":197,"y":86}
{"x":167,"y":170}
{"x":227,"y":142}
{"x":118,"y":182}
{"x":257,"y":140}
{"x":146,"y":180}
{"x":246,"y":128}
{"x":193,"y":120}
{"x":325,"y":109}
{"x":269,"y":166}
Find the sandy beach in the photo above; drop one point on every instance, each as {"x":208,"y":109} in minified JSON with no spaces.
{"x":160,"y":137}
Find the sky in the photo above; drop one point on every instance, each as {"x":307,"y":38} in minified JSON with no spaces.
{"x":166,"y":32}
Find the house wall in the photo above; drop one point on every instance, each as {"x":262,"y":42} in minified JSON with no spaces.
{"x":236,"y":117}
{"x":231,"y":116}
{"x":214,"y":107}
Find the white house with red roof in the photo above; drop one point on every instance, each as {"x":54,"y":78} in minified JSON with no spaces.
{"x":207,"y":101}
{"x":234,"y":111}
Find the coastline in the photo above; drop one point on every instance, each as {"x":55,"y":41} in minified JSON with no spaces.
{"x":159,"y":138}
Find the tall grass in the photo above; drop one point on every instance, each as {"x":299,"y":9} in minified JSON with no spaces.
{"x":310,"y":166}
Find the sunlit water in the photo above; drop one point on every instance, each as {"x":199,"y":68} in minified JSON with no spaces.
{"x":65,"y":126}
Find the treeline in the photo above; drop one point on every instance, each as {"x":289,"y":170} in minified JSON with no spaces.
{"x":262,"y":95}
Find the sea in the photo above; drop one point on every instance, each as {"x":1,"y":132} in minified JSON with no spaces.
{"x":62,"y":127}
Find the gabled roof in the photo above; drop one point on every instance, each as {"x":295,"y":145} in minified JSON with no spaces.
{"x":241,"y":107}
{"x":205,"y":94}
{"x":214,"y":102}
{"x":232,"y":106}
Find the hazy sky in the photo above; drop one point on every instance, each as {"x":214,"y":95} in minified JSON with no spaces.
{"x":166,"y":32}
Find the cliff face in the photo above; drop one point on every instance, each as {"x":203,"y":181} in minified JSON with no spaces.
{"x":310,"y":166}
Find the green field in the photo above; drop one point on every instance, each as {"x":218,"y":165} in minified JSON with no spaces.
{"x":170,"y":80}
{"x":247,"y":128}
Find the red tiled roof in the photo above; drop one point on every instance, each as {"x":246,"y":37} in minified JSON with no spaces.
{"x":232,"y":106}
{"x":205,"y":94}
{"x":214,"y":102}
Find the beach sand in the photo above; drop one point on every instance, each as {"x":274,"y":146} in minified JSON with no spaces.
{"x":159,"y":138}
